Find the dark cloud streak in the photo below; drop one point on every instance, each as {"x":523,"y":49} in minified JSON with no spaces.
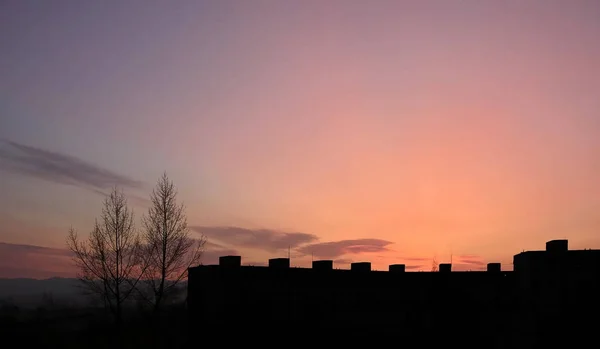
{"x":339,"y":248}
{"x":60,"y":168}
{"x":415,"y":259}
{"x":25,"y":249}
{"x":470,"y":259}
{"x":18,"y":261}
{"x":263,"y":239}
{"x":211,"y":255}
{"x":472,"y":262}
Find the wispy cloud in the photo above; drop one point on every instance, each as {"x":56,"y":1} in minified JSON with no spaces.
{"x":212,"y":252}
{"x":339,"y":248}
{"x":343,"y":261}
{"x":211,"y":256}
{"x":468,"y":262}
{"x":262,"y":239}
{"x":34,"y":261}
{"x":60,"y":168}
{"x":470,"y":259}
{"x":302,"y":245}
{"x":210,"y":245}
{"x":415,"y":259}
{"x":254,"y":264}
{"x":25,"y":250}
{"x":469,"y":256}
{"x":473,"y":262}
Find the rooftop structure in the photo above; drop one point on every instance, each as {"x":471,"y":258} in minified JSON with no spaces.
{"x":280,"y":294}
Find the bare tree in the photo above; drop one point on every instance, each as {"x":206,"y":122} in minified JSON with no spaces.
{"x":434,"y":264}
{"x":169,"y":248}
{"x":109,"y":261}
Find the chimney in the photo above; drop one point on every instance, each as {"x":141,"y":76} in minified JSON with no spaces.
{"x":557,"y":246}
{"x":445,"y":267}
{"x":322,"y":265}
{"x":279,"y":263}
{"x":230,"y":261}
{"x":397,"y":268}
{"x":494,"y":267}
{"x":360,"y":266}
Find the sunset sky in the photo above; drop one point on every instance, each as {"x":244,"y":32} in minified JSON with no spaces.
{"x":382,"y":131}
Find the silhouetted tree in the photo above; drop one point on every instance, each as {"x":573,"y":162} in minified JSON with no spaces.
{"x":169,"y":248}
{"x":434,"y":265}
{"x":48,"y":300}
{"x":109,"y":261}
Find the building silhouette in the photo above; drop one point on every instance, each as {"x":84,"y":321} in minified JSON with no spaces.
{"x":549,"y":296}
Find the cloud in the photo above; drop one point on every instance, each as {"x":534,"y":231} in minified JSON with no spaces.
{"x":339,"y":248}
{"x":212,"y":252}
{"x":212,"y":256}
{"x":263,"y":239}
{"x":28,"y":261}
{"x":209,"y":245}
{"x":470,"y":259}
{"x":60,"y":168}
{"x":36,"y":250}
{"x":343,"y":261}
{"x":468,"y":262}
{"x":469,"y":256}
{"x":254,"y":264}
{"x":415,"y":259}
{"x":414,"y":267}
{"x":472,"y":262}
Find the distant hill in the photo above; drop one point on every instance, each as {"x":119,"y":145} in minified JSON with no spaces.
{"x":31,"y":292}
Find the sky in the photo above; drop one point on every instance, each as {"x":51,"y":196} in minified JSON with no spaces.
{"x":381,"y":131}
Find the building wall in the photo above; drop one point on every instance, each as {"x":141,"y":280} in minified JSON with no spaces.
{"x":544,"y":290}
{"x":340,"y":298}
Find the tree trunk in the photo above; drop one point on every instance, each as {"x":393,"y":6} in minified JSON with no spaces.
{"x":158,"y":299}
{"x":118,"y":322}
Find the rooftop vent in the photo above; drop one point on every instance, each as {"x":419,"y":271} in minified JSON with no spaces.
{"x":445,"y":267}
{"x":230,"y":261}
{"x":494,"y":267}
{"x":554,"y":246}
{"x":322,"y":265}
{"x":397,"y":268}
{"x":360,"y":266}
{"x":279,"y":263}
